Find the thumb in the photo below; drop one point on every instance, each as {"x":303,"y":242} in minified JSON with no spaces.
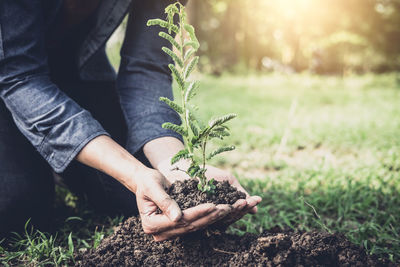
{"x":166,"y":204}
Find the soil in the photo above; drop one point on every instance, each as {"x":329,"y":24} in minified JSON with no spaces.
{"x":130,"y":246}
{"x":187,"y":195}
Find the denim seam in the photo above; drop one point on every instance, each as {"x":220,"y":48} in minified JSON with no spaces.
{"x":91,"y":34}
{"x":88,"y":42}
{"x":88,"y":38}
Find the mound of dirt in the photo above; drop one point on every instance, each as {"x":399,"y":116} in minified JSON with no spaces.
{"x":130,"y":246}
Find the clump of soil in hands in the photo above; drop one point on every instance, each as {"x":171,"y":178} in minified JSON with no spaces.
{"x":186,"y":194}
{"x":130,"y":246}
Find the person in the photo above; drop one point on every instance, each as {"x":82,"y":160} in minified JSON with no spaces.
{"x":65,"y":109}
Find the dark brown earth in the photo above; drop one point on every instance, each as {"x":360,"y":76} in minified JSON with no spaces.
{"x":129,"y":246}
{"x":187,"y":195}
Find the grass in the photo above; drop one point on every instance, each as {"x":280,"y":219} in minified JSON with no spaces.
{"x":323,"y":152}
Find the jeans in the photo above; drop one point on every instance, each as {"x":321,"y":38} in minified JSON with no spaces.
{"x":27,"y":187}
{"x":51,"y":107}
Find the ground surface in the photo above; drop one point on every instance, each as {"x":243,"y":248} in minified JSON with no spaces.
{"x":323,"y":152}
{"x":129,"y":246}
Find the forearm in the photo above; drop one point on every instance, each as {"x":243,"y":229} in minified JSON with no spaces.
{"x":161,"y":149}
{"x":104,"y":154}
{"x":160,"y":152}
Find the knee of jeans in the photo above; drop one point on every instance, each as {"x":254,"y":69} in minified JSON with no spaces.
{"x":21,"y":200}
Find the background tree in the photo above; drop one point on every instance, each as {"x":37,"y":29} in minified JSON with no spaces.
{"x":325,"y":36}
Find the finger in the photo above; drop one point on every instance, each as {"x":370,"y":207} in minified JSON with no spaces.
{"x":239,"y":204}
{"x":160,"y":223}
{"x":145,"y":206}
{"x":252,"y":203}
{"x":250,"y":207}
{"x":195,"y":213}
{"x":221,"y":212}
{"x":166,"y":204}
{"x":238,"y":207}
{"x":237,"y":212}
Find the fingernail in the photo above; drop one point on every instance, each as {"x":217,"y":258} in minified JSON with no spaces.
{"x":254,"y":201}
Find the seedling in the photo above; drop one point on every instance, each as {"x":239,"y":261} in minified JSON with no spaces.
{"x":196,"y":134}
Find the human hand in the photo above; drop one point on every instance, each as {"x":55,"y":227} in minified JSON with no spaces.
{"x":151,"y":195}
{"x":240,"y":207}
{"x":149,"y":186}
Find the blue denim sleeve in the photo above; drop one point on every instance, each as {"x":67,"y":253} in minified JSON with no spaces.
{"x":57,"y":126}
{"x":144,"y":76}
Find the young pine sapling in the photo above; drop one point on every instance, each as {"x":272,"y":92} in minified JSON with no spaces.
{"x":196,"y":135}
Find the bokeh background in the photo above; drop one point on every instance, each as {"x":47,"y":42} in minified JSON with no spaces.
{"x":321,"y":36}
{"x":338,"y":37}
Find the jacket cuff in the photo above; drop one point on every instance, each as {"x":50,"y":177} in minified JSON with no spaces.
{"x":148,"y":128}
{"x":66,"y":140}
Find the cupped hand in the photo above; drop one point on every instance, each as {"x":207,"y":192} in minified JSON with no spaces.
{"x":239,"y":208}
{"x":171,"y":222}
{"x":149,"y":186}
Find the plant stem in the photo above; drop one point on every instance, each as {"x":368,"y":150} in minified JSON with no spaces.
{"x":204,"y":145}
{"x":186,"y":115}
{"x":178,"y":169}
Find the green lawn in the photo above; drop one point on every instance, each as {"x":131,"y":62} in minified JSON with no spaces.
{"x":322,"y":143}
{"x":323,"y":152}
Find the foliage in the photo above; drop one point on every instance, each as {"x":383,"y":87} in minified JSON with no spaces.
{"x":77,"y":230}
{"x":196,"y":135}
{"x":36,"y":248}
{"x":297,"y":35}
{"x":321,"y":36}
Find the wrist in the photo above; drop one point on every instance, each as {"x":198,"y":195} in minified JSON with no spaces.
{"x":160,"y":151}
{"x":135,"y":175}
{"x":107,"y":156}
{"x":165,"y":165}
{"x":174,"y":172}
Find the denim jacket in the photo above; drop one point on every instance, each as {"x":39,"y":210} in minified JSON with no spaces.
{"x":56,"y":125}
